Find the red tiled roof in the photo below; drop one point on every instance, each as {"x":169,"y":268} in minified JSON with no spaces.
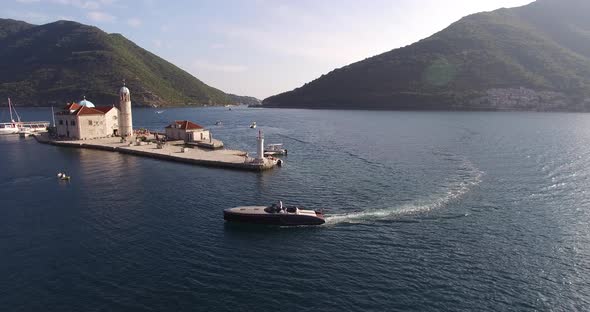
{"x":72,"y":106}
{"x":104,"y":109}
{"x":88,"y":111}
{"x":185,"y":125}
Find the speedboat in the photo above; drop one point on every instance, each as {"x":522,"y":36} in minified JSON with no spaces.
{"x":274,"y":149}
{"x":274,"y":215}
{"x":253,"y":125}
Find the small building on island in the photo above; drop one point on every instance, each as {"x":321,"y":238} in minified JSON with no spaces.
{"x":187,"y":131}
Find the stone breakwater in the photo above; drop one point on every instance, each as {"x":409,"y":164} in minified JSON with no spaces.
{"x":171,"y":151}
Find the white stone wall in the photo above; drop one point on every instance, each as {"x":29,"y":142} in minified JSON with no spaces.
{"x":112,"y":121}
{"x":67,"y":126}
{"x":200,"y":135}
{"x":194,"y":135}
{"x":92,"y":127}
{"x":125,"y":117}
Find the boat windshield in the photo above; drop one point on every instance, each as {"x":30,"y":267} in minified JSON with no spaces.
{"x":273,"y":209}
{"x":276,"y":209}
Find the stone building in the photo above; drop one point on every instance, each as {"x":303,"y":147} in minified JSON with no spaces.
{"x":187,"y":131}
{"x":83,"y":121}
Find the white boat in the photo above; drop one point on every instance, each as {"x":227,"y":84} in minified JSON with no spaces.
{"x":253,"y":125}
{"x":11,"y":127}
{"x":16,"y":126}
{"x":23,"y":133}
{"x":274,"y":149}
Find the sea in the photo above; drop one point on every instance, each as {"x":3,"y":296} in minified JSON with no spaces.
{"x":426,"y":211}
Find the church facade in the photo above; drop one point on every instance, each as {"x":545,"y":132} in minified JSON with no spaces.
{"x":85,"y":121}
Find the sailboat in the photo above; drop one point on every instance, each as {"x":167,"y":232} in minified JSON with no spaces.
{"x":13,"y":126}
{"x":16,"y":126}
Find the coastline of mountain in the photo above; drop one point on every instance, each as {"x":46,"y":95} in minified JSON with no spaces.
{"x":42,"y":65}
{"x":532,"y":58}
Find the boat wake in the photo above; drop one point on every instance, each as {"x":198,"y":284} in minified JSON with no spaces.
{"x":24,"y":180}
{"x":469,"y":177}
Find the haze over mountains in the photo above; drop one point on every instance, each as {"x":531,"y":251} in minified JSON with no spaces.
{"x":535,"y":57}
{"x":62,"y":61}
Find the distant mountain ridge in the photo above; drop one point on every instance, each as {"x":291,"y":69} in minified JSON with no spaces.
{"x":62,"y":61}
{"x":535,"y":57}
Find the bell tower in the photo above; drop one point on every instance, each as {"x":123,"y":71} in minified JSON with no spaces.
{"x":125,"y":119}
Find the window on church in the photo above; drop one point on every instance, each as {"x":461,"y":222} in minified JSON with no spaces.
{"x":61,"y":122}
{"x":90,"y":122}
{"x":73,"y":123}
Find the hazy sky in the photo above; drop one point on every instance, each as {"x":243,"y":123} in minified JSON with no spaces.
{"x":259,"y":47}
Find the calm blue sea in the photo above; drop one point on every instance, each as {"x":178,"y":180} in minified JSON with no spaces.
{"x":428,"y":211}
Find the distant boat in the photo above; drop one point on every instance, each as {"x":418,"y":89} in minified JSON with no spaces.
{"x":63,"y":176}
{"x":274,"y":215}
{"x":218,"y":123}
{"x":23,"y":133}
{"x":159,"y":112}
{"x":253,"y":125}
{"x":274,"y":149}
{"x":11,"y":127}
{"x":16,"y":126}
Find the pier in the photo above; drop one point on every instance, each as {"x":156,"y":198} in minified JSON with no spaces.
{"x":171,"y":151}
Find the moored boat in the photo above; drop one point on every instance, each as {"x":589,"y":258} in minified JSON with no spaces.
{"x":274,"y":215}
{"x":24,"y":133}
{"x":274,"y":150}
{"x":18,"y":126}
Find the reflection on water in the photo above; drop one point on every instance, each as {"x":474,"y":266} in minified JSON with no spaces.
{"x":426,"y":211}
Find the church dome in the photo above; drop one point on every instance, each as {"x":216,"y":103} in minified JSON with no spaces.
{"x":86,"y":103}
{"x":124,"y":90}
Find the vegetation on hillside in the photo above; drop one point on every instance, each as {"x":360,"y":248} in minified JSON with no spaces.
{"x":543,"y":47}
{"x":62,"y":61}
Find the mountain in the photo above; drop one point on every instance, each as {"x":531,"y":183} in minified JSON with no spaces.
{"x":62,"y":61}
{"x":245,"y":100}
{"x":535,"y":57}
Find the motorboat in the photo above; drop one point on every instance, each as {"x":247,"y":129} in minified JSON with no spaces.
{"x":274,"y":150}
{"x":276,"y":214}
{"x":218,"y":123}
{"x":63,"y":177}
{"x":253,"y":125}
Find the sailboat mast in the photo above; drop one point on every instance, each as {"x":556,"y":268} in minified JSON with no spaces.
{"x":10,"y":110}
{"x":53,"y":116}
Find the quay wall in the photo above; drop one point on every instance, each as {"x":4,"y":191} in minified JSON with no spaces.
{"x":169,"y":157}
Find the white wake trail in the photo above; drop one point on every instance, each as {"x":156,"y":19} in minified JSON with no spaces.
{"x":454,"y":191}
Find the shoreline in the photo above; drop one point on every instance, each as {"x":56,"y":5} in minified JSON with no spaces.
{"x":228,"y":159}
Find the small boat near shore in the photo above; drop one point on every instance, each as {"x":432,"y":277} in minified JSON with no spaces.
{"x":253,"y":125}
{"x":24,"y":133}
{"x":274,"y":215}
{"x":18,"y":126}
{"x":63,"y":176}
{"x":274,"y":150}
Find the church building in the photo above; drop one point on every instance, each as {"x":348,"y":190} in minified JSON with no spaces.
{"x":85,"y":121}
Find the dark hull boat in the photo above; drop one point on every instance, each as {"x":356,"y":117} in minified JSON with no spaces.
{"x":274,"y":215}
